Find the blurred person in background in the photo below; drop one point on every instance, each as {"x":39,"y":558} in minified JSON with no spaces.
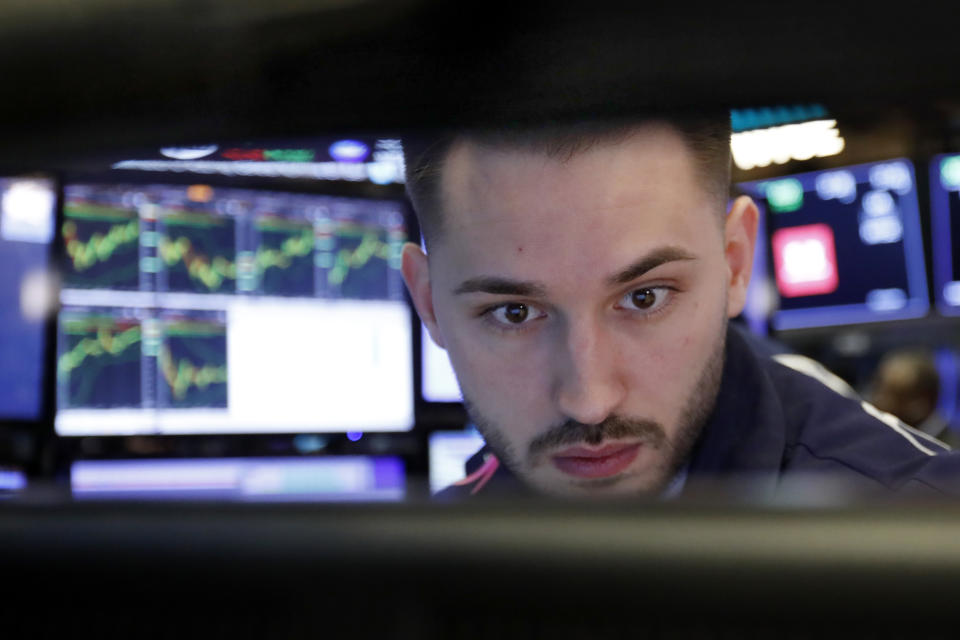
{"x":906,"y":383}
{"x":581,"y":277}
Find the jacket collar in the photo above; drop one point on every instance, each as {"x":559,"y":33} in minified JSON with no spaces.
{"x":745,"y":435}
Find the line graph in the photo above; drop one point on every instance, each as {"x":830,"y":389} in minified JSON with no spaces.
{"x":101,"y":244}
{"x":198,"y":252}
{"x":284,"y":257}
{"x":99,"y":363}
{"x":360,"y":266}
{"x":193,"y":365}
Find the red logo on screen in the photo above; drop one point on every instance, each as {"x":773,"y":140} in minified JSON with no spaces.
{"x":805,"y":260}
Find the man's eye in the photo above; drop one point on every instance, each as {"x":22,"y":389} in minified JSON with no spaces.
{"x":514,"y":313}
{"x":645,"y":298}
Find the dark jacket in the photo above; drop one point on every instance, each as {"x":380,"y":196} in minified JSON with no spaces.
{"x":784,"y":426}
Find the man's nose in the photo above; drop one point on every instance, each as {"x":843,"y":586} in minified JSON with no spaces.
{"x":588,"y":386}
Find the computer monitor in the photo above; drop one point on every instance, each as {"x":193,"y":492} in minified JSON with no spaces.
{"x":945,"y":226}
{"x":190,"y":309}
{"x":845,"y":245}
{"x":27,"y":213}
{"x":357,"y":159}
{"x":325,"y":479}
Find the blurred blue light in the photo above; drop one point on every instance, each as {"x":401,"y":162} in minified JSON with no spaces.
{"x":12,"y":480}
{"x":353,"y":436}
{"x":349,"y":151}
{"x":188,"y":153}
{"x":309,"y":443}
{"x":762,"y":118}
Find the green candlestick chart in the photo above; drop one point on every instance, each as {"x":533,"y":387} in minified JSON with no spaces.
{"x":100,"y":363}
{"x":193,"y":365}
{"x":360,"y":263}
{"x":284,"y":257}
{"x":198,"y":252}
{"x":101,"y":245}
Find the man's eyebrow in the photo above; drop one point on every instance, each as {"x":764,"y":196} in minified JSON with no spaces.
{"x":529,"y":289}
{"x":501,"y":286}
{"x":650,"y":261}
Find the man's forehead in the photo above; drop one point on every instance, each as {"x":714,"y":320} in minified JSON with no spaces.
{"x":652,"y":165}
{"x":644,"y":185}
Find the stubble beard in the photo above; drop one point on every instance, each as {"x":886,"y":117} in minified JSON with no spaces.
{"x":675,"y":452}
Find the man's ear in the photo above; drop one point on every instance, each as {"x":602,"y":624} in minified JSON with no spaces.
{"x":416,"y":274}
{"x":740,"y":237}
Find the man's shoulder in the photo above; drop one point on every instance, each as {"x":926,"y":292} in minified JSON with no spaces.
{"x":828,"y":428}
{"x":823,"y":406}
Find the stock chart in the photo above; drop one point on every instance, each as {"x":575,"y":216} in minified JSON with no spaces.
{"x":357,"y":261}
{"x":284,"y":256}
{"x":198,"y":252}
{"x":195,"y":309}
{"x":193,"y":364}
{"x":99,"y":362}
{"x":101,"y":244}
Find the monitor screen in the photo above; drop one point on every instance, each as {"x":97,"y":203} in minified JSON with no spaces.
{"x":845,"y":245}
{"x":945,"y":226}
{"x":27,"y":212}
{"x":759,"y":301}
{"x":201,"y":310}
{"x":328,"y":479}
{"x":439,"y":383}
{"x":364,"y":159}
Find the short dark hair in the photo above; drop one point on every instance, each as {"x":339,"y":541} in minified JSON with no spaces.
{"x":707,"y":135}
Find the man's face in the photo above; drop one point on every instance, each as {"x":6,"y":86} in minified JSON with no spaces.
{"x":584,"y":304}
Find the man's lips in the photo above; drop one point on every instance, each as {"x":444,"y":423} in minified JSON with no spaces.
{"x":596,"y":463}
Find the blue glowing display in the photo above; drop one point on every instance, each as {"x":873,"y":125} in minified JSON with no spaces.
{"x":945,"y":224}
{"x":349,"y":151}
{"x":761,"y":118}
{"x":26,"y":227}
{"x":850,"y":251}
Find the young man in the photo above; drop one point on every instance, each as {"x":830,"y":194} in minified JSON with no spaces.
{"x":581,"y":278}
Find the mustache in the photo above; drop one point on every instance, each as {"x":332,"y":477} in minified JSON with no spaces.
{"x":572,"y":432}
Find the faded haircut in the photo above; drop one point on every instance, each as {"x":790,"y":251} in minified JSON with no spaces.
{"x":707,"y":136}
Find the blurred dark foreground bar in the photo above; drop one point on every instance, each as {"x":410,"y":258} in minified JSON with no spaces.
{"x":496,"y":570}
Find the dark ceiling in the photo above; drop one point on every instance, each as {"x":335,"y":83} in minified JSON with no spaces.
{"x":116,"y":74}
